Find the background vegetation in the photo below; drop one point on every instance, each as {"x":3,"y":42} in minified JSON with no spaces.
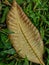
{"x":38,"y":12}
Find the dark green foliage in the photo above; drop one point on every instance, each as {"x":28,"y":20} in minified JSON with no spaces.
{"x":26,"y":62}
{"x":38,"y":12}
{"x":4,"y":15}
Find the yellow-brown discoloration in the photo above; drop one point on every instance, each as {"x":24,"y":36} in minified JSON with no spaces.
{"x":26,"y":37}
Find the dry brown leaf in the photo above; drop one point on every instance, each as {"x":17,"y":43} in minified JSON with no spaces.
{"x":26,"y":37}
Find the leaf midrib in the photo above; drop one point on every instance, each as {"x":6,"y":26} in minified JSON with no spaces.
{"x":29,"y":44}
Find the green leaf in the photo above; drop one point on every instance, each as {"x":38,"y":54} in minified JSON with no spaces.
{"x":48,"y":60}
{"x":44,"y":19}
{"x":10,"y":51}
{"x":4,"y":15}
{"x":1,"y":63}
{"x":5,"y":41}
{"x":20,"y":1}
{"x":11,"y":63}
{"x":16,"y":63}
{"x":6,"y":31}
{"x":47,"y":50}
{"x":42,"y":32}
{"x":26,"y":62}
{"x":47,"y":42}
{"x":19,"y":63}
